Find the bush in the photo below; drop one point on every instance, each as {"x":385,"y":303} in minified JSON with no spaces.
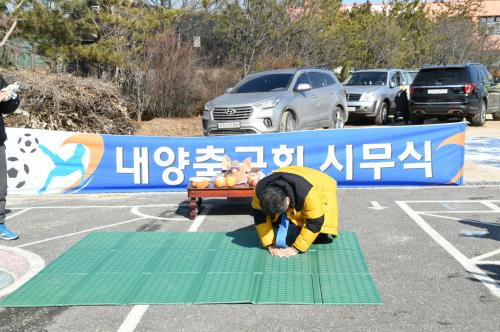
{"x":69,"y":103}
{"x":165,"y":84}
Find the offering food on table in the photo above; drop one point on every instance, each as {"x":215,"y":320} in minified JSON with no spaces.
{"x":230,"y":180}
{"x":253,"y":178}
{"x":220,"y":181}
{"x":200,"y":182}
{"x":235,"y":173}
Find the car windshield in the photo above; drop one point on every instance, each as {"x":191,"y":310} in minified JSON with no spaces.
{"x":440,"y":76}
{"x":413,"y":74}
{"x":264,"y":83}
{"x":367,"y":78}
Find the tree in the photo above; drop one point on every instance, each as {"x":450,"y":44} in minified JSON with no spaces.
{"x":415,"y":26}
{"x":455,"y":35}
{"x":102,"y":34}
{"x":252,"y":29}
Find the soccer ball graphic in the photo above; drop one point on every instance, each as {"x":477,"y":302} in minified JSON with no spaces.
{"x":17,"y":172}
{"x":27,"y":143}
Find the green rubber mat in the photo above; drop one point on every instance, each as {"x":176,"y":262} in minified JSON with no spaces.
{"x":192,"y":268}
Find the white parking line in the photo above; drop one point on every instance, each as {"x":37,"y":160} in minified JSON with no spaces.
{"x":483,"y":256}
{"x":457,"y":219}
{"x":488,"y":262}
{"x":133,"y":318}
{"x":468,"y":264}
{"x":492,"y":206}
{"x":95,"y":206}
{"x":455,"y":211}
{"x":453,"y":201}
{"x":80,"y":232}
{"x":10,"y":216}
{"x":135,"y":315}
{"x":135,"y":210}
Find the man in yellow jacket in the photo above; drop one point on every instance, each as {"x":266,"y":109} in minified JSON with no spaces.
{"x":304,"y":196}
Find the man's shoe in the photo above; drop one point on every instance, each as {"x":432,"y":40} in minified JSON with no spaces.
{"x":323,"y":238}
{"x":7,"y":234}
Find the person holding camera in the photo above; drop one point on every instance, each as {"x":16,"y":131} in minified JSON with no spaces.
{"x":9,"y":102}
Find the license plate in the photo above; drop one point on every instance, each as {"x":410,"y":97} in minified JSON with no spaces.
{"x":351,"y":109}
{"x":437,"y":91}
{"x":228,"y":125}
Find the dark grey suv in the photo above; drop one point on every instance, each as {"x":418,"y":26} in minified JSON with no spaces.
{"x":454,"y":91}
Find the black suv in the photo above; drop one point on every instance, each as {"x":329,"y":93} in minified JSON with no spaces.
{"x":454,"y":91}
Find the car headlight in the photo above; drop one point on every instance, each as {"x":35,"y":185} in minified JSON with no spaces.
{"x":267,"y":104}
{"x":370,"y":96}
{"x":209,"y":106}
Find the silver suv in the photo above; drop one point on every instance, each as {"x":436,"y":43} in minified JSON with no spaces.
{"x":371,"y":93}
{"x":278,"y":100}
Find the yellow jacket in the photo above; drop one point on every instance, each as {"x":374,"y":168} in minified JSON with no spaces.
{"x":313,"y":204}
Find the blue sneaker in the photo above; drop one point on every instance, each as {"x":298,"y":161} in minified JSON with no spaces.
{"x":7,"y":234}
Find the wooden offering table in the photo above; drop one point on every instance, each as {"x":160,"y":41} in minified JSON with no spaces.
{"x":195,"y":195}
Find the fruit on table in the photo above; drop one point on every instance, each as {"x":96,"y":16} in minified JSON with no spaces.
{"x":200,"y":182}
{"x":220,"y":181}
{"x":230,"y":180}
{"x":252,"y":180}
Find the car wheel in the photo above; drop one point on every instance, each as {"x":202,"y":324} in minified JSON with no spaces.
{"x":496,"y":116}
{"x":337,"y":120}
{"x":287,"y":122}
{"x":382,"y":114}
{"x":479,"y":119}
{"x":415,"y":119}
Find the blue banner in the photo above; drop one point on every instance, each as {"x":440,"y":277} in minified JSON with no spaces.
{"x":379,"y":156}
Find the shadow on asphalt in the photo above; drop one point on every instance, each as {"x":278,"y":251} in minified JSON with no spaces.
{"x":493,"y":228}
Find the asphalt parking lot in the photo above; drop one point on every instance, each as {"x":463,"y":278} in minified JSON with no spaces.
{"x":411,"y":237}
{"x":429,"y":274}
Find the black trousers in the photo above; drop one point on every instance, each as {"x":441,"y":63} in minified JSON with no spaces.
{"x":3,"y":182}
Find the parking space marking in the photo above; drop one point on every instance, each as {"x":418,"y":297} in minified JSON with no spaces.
{"x":469,"y":264}
{"x":133,"y":318}
{"x":483,"y":256}
{"x":135,"y":315}
{"x":135,"y":210}
{"x":81,"y":232}
{"x":455,"y":201}
{"x":455,"y":211}
{"x":97,"y":206}
{"x":10,"y":216}
{"x":491,"y":205}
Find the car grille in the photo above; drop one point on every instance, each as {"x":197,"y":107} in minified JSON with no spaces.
{"x":229,"y":114}
{"x":353,"y":96}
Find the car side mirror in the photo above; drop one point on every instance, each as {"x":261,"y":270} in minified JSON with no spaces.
{"x":228,"y":90}
{"x":303,"y":87}
{"x":392,"y":85}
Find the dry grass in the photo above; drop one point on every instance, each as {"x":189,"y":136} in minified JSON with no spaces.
{"x":170,"y":127}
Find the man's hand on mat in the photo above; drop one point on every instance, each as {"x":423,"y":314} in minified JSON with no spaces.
{"x":282,"y":252}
